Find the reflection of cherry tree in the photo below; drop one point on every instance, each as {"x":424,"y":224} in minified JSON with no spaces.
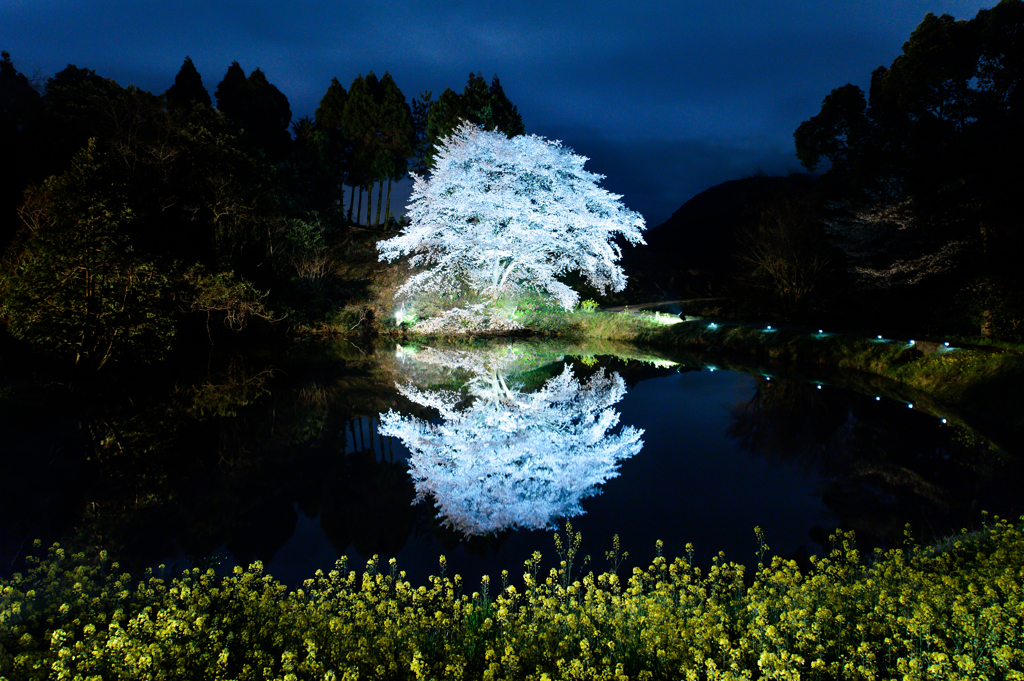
{"x":513,"y":459}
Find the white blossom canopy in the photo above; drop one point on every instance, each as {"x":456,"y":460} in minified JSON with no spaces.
{"x":503,"y":215}
{"x":512,"y":459}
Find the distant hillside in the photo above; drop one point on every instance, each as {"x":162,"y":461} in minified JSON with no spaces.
{"x":693,"y":251}
{"x":702,"y":233}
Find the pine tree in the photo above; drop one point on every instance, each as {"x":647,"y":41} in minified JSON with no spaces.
{"x":361,"y":122}
{"x":444,"y":117}
{"x":20,"y":109}
{"x":476,"y":101}
{"x":258,"y":108}
{"x":397,"y":135}
{"x":188,"y":88}
{"x":504,"y":114}
{"x":267,"y":116}
{"x":329,"y":121}
{"x":478,"y":104}
{"x":232,"y":93}
{"x":420,"y":114}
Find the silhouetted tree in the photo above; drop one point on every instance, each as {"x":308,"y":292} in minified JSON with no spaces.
{"x":397,"y":136}
{"x":328,"y":117}
{"x":258,"y":108}
{"x":231,"y":92}
{"x":476,"y":100}
{"x":267,"y":116}
{"x":20,"y":108}
{"x":420,"y":114}
{"x":361,"y":122}
{"x":188,"y":88}
{"x":786,"y":258}
{"x":75,"y":102}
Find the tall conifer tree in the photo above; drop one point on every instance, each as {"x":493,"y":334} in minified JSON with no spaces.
{"x":476,"y":100}
{"x":231,"y":92}
{"x":328,"y":117}
{"x":444,"y":117}
{"x":360,"y":121}
{"x":504,"y":114}
{"x":188,"y":88}
{"x":397,"y":134}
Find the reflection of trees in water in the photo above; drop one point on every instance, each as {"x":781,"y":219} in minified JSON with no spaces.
{"x":882,"y":465}
{"x":499,"y":458}
{"x":372,"y":510}
{"x":228,"y":458}
{"x":787,"y":419}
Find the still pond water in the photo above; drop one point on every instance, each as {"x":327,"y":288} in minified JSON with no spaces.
{"x":414,"y":452}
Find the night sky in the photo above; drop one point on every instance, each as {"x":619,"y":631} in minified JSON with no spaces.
{"x":665,"y":98}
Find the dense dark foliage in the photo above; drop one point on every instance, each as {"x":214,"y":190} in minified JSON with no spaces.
{"x":912,"y":225}
{"x":131,"y":222}
{"x":936,"y":148}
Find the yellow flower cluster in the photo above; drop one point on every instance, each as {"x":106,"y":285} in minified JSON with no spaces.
{"x":952,"y":611}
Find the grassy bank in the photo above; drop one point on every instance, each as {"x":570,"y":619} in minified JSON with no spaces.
{"x":951,"y":611}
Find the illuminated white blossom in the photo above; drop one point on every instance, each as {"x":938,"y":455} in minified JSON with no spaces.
{"x":502,"y":458}
{"x":503,"y":215}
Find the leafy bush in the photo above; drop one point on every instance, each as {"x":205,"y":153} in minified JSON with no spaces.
{"x":949,"y":611}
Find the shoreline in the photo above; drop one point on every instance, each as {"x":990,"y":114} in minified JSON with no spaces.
{"x":978,"y":380}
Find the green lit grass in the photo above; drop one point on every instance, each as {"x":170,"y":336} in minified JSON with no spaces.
{"x":599,"y":325}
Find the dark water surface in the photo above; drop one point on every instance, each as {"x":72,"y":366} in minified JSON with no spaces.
{"x":286,"y":462}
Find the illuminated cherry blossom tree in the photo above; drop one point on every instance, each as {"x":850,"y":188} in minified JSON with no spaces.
{"x":510,"y":459}
{"x":504,"y":215}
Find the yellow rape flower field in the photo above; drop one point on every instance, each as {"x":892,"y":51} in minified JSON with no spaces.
{"x":950,"y":611}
